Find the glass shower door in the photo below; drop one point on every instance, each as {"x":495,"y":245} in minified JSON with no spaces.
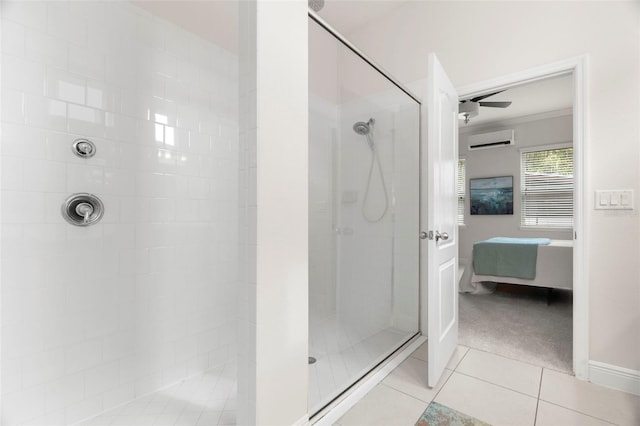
{"x":364,"y":216}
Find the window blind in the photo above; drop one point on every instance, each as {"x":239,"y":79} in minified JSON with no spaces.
{"x":461,"y":190}
{"x":547,"y":188}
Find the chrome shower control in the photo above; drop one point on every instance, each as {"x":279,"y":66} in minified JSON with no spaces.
{"x":83,"y":148}
{"x":82,"y":209}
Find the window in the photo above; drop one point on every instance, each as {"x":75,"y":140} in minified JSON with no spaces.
{"x":461,"y":190}
{"x":547,"y":188}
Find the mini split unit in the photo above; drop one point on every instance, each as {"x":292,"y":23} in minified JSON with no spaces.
{"x":491,"y":140}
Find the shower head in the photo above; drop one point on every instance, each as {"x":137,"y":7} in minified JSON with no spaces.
{"x":316,"y":5}
{"x":363,"y":128}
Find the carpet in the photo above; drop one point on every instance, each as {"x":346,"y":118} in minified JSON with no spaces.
{"x":516,"y":322}
{"x":440,"y":415}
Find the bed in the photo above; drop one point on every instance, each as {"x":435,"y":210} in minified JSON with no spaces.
{"x":553,"y":267}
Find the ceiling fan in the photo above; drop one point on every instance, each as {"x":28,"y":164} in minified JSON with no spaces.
{"x":470,"y":107}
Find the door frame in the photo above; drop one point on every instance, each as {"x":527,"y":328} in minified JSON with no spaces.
{"x":576,"y":66}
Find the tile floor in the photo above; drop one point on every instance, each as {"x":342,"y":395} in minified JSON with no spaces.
{"x":491,"y":388}
{"x":496,"y":390}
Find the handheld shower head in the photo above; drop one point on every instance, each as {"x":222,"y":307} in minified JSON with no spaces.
{"x":363,"y":128}
{"x":366,"y":130}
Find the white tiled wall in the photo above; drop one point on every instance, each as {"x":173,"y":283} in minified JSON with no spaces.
{"x":366,"y":251}
{"x":378,"y":272}
{"x":323,"y":177}
{"x":93,"y":317}
{"x":363,"y":277}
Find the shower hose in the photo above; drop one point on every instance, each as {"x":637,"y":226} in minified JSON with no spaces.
{"x":375,"y":159}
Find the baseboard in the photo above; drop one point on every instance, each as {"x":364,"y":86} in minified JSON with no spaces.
{"x":612,"y":376}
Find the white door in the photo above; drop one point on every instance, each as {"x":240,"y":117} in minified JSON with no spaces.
{"x":440,"y":195}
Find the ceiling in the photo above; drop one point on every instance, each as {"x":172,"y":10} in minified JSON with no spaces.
{"x":216,"y":20}
{"x":213,"y":20}
{"x":552,"y":94}
{"x":348,"y":15}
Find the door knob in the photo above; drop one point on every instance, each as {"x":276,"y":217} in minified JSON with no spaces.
{"x":444,"y":236}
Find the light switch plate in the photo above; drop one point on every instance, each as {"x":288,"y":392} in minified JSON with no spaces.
{"x":617,"y":199}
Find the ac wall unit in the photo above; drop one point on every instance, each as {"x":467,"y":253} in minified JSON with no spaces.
{"x":491,"y":140}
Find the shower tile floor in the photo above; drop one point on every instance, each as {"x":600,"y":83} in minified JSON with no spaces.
{"x":208,"y":399}
{"x":342,"y":357}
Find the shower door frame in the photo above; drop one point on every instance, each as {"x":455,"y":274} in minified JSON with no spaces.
{"x":412,"y":340}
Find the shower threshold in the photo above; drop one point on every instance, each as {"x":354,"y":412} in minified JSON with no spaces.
{"x":327,"y":400}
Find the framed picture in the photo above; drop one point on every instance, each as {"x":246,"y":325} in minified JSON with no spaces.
{"x":490,"y":196}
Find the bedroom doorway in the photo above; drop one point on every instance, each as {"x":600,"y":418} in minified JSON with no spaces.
{"x":530,"y":122}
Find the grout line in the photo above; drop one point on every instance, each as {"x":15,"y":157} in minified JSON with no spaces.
{"x":463,"y":357}
{"x":519,"y":360}
{"x":535,"y":419}
{"x":571,"y":373}
{"x":448,"y":378}
{"x":443,"y":385}
{"x":404,"y":393}
{"x":495,"y":384}
{"x":540,"y":385}
{"x":579,"y":412}
{"x":416,"y":398}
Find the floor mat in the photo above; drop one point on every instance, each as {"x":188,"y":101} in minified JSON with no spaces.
{"x":440,"y":415}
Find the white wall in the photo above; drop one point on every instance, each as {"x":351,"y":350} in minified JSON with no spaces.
{"x":507,"y":37}
{"x":273,"y":368}
{"x":505,"y":161}
{"x":93,"y":317}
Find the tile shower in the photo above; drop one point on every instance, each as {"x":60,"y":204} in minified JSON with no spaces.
{"x":363,"y":215}
{"x":96,"y":316}
{"x":134,"y":319}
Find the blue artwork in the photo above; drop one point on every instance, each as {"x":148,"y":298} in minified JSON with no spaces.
{"x":491,"y":195}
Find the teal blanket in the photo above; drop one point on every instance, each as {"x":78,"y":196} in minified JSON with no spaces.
{"x":511,"y":240}
{"x":505,"y":259}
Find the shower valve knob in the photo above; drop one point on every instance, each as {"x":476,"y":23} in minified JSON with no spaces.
{"x":82,"y":209}
{"x":85,"y":210}
{"x":83,"y":148}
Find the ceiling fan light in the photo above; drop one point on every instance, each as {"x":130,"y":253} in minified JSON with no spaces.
{"x":464,"y":116}
{"x":466,"y":110}
{"x":469,"y":107}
